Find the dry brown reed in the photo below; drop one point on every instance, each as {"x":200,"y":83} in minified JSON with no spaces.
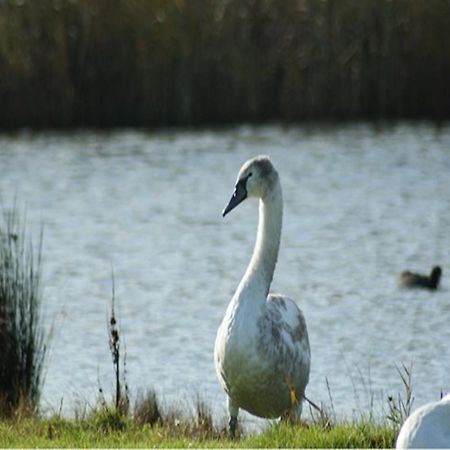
{"x":159,"y":63}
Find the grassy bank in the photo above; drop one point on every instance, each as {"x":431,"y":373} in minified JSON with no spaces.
{"x":110,"y":63}
{"x":53,"y":433}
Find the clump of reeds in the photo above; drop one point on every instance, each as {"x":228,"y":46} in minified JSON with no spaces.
{"x":174,"y":420}
{"x":199,"y":424}
{"x":204,"y":419}
{"x":23,"y":343}
{"x":147,"y":409}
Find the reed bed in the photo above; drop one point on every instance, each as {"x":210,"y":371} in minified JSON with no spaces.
{"x":114,"y":63}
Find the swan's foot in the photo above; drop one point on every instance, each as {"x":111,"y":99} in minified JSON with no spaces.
{"x":232,"y":423}
{"x":289,"y":417}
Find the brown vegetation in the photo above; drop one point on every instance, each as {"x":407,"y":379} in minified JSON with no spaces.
{"x":177,"y":62}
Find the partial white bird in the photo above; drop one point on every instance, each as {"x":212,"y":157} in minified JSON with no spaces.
{"x":427,"y":427}
{"x":262,"y":355}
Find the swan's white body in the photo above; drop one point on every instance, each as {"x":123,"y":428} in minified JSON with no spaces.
{"x":262,"y":354}
{"x":427,"y":427}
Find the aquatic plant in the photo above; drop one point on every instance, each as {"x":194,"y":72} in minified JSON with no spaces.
{"x":23,"y":342}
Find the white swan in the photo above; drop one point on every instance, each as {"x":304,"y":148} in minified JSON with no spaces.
{"x":427,"y":427}
{"x":262,"y":354}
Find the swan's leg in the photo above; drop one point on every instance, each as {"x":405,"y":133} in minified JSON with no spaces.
{"x":233,"y":411}
{"x":292,"y":415}
{"x":232,"y":423}
{"x":297,"y":411}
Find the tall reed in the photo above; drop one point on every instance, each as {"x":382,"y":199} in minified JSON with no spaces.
{"x":23,"y":342}
{"x":107,"y":416}
{"x":121,"y":397}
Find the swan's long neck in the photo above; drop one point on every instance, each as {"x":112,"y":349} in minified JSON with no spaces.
{"x":259,"y":273}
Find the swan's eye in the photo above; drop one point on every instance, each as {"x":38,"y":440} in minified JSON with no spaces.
{"x":249,"y":174}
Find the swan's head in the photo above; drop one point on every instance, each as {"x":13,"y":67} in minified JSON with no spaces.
{"x":256,"y":178}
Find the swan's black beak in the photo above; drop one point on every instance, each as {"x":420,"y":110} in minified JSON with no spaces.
{"x":239,"y":195}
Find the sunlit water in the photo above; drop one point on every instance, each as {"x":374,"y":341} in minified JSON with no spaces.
{"x":361,"y":205}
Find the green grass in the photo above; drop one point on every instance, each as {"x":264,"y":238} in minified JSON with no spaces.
{"x":92,"y":432}
{"x":345,"y":435}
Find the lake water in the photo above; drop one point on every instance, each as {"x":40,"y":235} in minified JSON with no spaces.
{"x":361,"y":205}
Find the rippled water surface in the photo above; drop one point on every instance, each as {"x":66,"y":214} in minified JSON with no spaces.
{"x":361,"y":205}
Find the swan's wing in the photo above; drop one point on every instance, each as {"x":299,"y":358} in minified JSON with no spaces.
{"x":284,"y":337}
